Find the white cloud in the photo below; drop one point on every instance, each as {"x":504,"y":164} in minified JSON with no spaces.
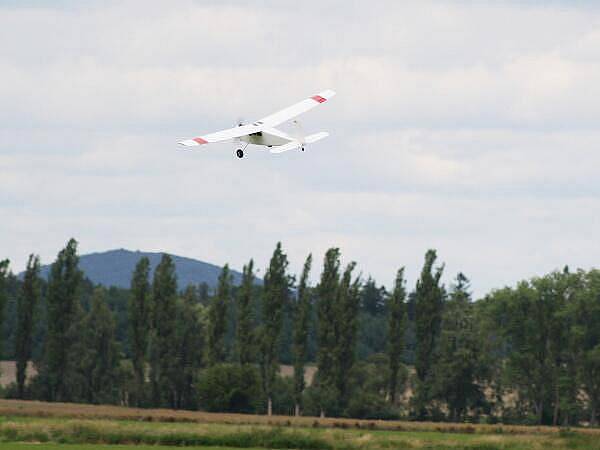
{"x":467,"y":128}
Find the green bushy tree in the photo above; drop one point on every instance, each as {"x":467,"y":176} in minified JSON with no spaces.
{"x":229,"y":388}
{"x":457,"y":373}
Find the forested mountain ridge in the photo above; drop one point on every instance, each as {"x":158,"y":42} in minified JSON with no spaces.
{"x":114,"y":268}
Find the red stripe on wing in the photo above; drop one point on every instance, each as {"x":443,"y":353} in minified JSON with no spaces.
{"x":319,"y":99}
{"x":200,"y":141}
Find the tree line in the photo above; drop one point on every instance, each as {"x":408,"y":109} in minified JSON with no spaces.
{"x":524,"y":354}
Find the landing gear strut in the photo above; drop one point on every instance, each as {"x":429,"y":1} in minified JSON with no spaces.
{"x":240,"y":151}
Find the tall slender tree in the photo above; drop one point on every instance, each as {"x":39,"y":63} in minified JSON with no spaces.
{"x":327,"y":291}
{"x":217,"y":318}
{"x":163,"y":358}
{"x":27,"y":301}
{"x":338,"y":305}
{"x":277,"y":285}
{"x":3,"y":276}
{"x":396,"y":331}
{"x":63,"y":310}
{"x":140,"y":298}
{"x":189,"y":344}
{"x":345,"y":325}
{"x":429,"y":302}
{"x":244,"y":334}
{"x":302,"y":315}
{"x":98,"y":355}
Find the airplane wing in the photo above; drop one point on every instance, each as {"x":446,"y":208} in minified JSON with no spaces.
{"x":222,"y":135}
{"x":266,"y":122}
{"x":295,"y":110}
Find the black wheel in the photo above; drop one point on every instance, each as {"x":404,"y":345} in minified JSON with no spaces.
{"x":303,"y":148}
{"x":240,"y":153}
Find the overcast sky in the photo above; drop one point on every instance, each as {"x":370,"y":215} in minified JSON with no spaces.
{"x":466,"y":128}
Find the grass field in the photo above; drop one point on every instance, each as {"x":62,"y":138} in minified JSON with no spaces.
{"x":51,"y":446}
{"x":54,"y":446}
{"x":26,"y":425}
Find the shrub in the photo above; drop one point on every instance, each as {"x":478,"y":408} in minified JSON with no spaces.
{"x":229,"y":388}
{"x":283,"y":396}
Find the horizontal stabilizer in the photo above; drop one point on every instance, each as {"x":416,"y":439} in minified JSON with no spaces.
{"x":296,"y":144}
{"x":286,"y":147}
{"x":316,"y":137}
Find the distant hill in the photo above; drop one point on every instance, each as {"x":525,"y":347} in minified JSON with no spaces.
{"x":114,"y":268}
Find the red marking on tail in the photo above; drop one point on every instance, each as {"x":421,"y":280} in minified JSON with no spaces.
{"x":319,"y":99}
{"x":200,"y":141}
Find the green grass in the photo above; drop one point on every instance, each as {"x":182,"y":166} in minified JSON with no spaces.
{"x":26,"y":433}
{"x":51,"y":446}
{"x":131,"y":433}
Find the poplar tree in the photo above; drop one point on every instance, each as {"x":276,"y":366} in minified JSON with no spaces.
{"x":27,"y":301}
{"x":327,"y":291}
{"x":338,"y":305}
{"x":276,"y":291}
{"x":244,"y":335}
{"x":188,"y":349}
{"x":345,"y":326}
{"x":63,"y":311}
{"x":98,"y":355}
{"x":139,"y":325}
{"x":217,"y":318}
{"x":3,"y":275}
{"x":163,"y":358}
{"x":302,"y":315}
{"x":396,"y":330}
{"x":429,"y":302}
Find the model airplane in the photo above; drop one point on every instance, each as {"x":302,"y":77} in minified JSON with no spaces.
{"x":263,"y":131}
